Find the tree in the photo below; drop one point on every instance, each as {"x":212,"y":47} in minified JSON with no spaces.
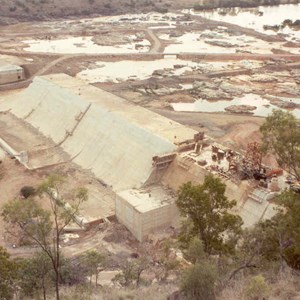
{"x":207,"y":208}
{"x":92,"y":261}
{"x":35,"y":274}
{"x":285,"y":228}
{"x":198,"y":281}
{"x":127,"y":275}
{"x":279,"y":237}
{"x":281,"y":137}
{"x":256,"y":248}
{"x":132,"y":271}
{"x":195,"y":252}
{"x":45,"y":227}
{"x":8,"y":274}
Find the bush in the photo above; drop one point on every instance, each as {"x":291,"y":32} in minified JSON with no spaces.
{"x":27,"y":191}
{"x":162,"y":10}
{"x":195,"y":252}
{"x":198,"y":281}
{"x":197,"y":7}
{"x":257,"y":288}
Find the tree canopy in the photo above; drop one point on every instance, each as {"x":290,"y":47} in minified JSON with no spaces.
{"x":207,"y":207}
{"x":8,"y":274}
{"x":278,"y":239}
{"x":281,"y":137}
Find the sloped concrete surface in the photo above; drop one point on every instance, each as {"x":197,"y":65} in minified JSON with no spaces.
{"x":100,"y":131}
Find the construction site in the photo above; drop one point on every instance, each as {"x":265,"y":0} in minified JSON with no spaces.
{"x":134,"y":106}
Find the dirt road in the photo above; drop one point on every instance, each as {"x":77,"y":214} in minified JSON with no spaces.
{"x":155,"y":42}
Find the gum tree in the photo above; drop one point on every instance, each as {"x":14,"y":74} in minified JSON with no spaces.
{"x":41,"y":226}
{"x":207,"y":210}
{"x":281,"y":137}
{"x":8,"y":274}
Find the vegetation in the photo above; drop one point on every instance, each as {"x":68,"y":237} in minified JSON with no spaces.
{"x":43,"y":227}
{"x":131,"y":271}
{"x":42,"y":9}
{"x":207,"y":207}
{"x":198,"y":281}
{"x":93,"y":262}
{"x":36,"y":274}
{"x":257,"y":288}
{"x":281,"y":137}
{"x":257,"y":257}
{"x":8,"y":274}
{"x":27,"y":191}
{"x":279,"y":237}
{"x":269,"y":249}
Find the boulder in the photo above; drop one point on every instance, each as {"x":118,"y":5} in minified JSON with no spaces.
{"x":240,"y":109}
{"x":220,"y":44}
{"x":283,"y":104}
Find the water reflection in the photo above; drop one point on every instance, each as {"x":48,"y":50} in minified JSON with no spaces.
{"x":263,"y":106}
{"x":257,"y":18}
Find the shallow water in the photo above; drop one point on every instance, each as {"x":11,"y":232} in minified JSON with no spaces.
{"x":191,"y":43}
{"x":264,"y":107}
{"x":77,"y":45}
{"x":139,"y":70}
{"x":256,"y":18}
{"x":195,"y":42}
{"x":126,"y":69}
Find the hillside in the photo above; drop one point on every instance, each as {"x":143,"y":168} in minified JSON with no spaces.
{"x":29,"y":10}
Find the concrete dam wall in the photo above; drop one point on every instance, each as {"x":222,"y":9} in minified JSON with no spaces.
{"x":100,"y":131}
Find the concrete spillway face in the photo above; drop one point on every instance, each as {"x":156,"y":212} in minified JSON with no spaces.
{"x":116,"y":150}
{"x":49,"y":108}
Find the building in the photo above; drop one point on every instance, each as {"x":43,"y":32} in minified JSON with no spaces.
{"x":144,"y":211}
{"x":11,"y":73}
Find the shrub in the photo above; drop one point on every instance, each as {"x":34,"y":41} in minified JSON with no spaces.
{"x":27,"y":191}
{"x":257,"y":288}
{"x":198,"y":281}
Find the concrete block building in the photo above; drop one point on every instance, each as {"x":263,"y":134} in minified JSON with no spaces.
{"x":11,"y":73}
{"x":146,"y":211}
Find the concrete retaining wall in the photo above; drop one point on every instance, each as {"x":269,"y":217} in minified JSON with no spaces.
{"x":178,"y":174}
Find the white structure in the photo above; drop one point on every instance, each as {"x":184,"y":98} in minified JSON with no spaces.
{"x":11,"y":73}
{"x":146,"y":211}
{"x":113,"y":138}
